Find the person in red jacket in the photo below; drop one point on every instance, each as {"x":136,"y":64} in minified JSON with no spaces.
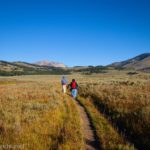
{"x":73,"y":88}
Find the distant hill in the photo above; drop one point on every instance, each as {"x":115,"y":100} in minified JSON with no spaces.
{"x":50,"y":63}
{"x":23,"y":68}
{"x":140,"y":62}
{"x":90,"y":69}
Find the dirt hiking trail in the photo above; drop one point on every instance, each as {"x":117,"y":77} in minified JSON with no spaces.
{"x":88,"y":131}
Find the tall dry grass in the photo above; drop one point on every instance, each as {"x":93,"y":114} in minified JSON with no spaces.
{"x":36,"y":115}
{"x":107,"y":136}
{"x":125,"y":102}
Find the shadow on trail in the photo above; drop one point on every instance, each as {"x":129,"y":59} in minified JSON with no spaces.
{"x":95,"y":142}
{"x":92,"y":143}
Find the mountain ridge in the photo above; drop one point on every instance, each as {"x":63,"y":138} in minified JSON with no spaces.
{"x":24,"y":68}
{"x":50,"y":63}
{"x":139,"y":62}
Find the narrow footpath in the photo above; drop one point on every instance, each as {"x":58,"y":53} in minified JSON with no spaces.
{"x":88,"y":132}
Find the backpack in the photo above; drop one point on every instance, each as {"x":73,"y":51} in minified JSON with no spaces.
{"x":73,"y":85}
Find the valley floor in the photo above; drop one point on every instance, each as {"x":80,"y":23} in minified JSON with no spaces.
{"x":111,"y":112}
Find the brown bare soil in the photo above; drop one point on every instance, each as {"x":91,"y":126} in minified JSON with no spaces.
{"x":88,"y":131}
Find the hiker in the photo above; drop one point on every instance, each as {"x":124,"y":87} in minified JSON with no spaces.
{"x":64,"y":84}
{"x":73,"y":88}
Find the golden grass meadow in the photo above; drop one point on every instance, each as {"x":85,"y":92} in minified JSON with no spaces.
{"x":36,"y":115}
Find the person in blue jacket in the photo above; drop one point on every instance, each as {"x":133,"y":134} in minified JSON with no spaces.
{"x":64,"y":84}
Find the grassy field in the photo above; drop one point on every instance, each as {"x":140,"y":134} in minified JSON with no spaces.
{"x":125,"y":102}
{"x":34,"y":113}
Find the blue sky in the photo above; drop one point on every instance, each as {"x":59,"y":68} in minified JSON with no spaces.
{"x":75,"y":32}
